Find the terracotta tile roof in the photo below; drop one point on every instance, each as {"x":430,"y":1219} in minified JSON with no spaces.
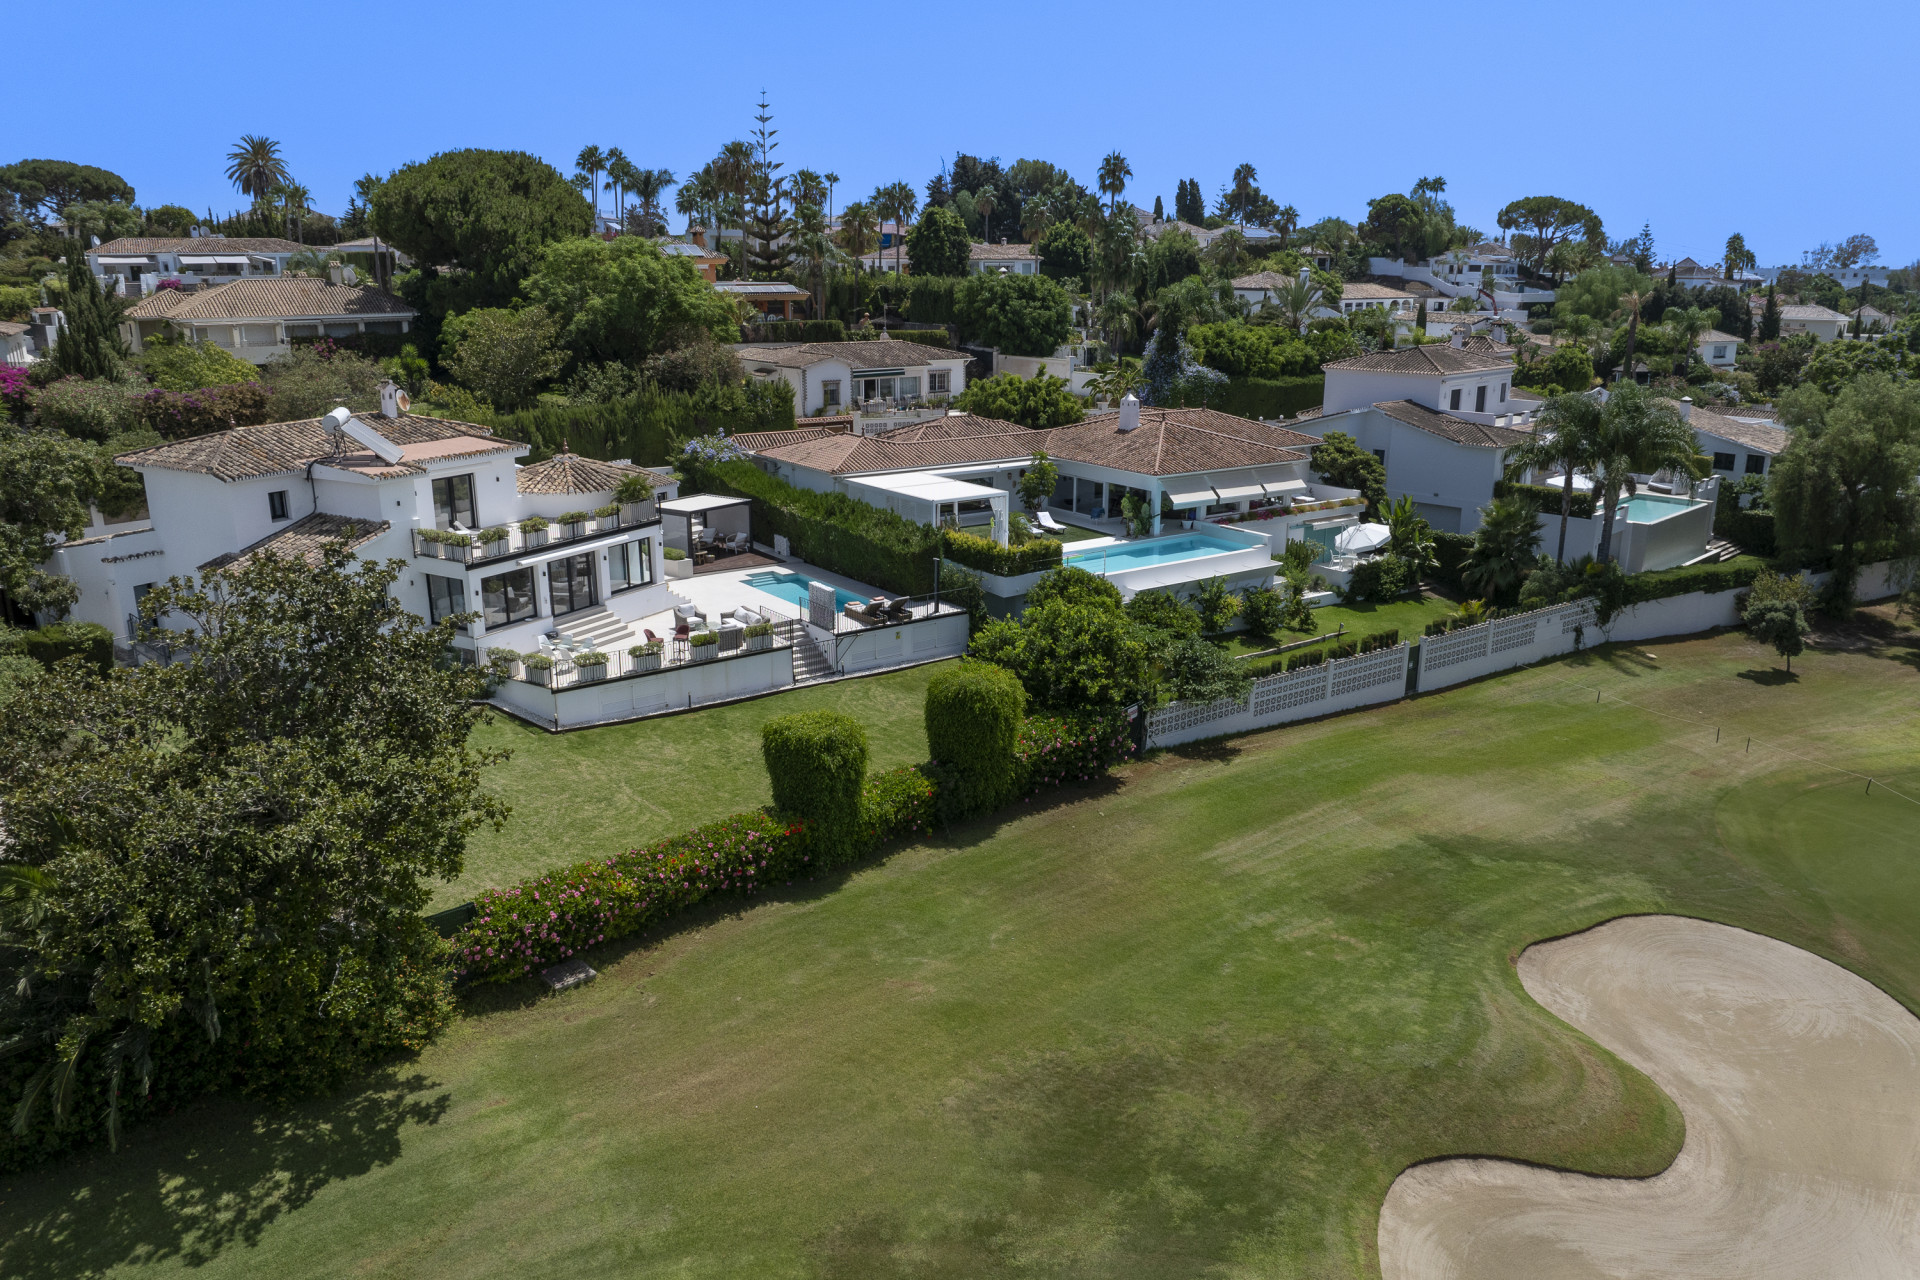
{"x":1170,"y":442}
{"x":1448,"y":427}
{"x":199,"y":244}
{"x":1314,"y":412}
{"x":879,"y":353}
{"x":827,"y":420}
{"x":269,"y":298}
{"x":1431,"y":360}
{"x":948,"y":441}
{"x":1361,"y":289}
{"x":248,"y":453}
{"x":999,"y":252}
{"x":1263,"y":280}
{"x":305,"y":538}
{"x":571,"y":473}
{"x":1761,"y":437}
{"x":9,"y":329}
{"x":1805,"y":312}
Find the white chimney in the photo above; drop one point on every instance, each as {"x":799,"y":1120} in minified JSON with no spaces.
{"x":1500,"y":333}
{"x":1129,"y":412}
{"x":1303,"y":276}
{"x":1686,"y":408}
{"x":333,"y":273}
{"x":393,"y":401}
{"x":1459,"y":339}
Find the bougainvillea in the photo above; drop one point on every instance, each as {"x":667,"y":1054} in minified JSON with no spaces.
{"x":1057,"y":751}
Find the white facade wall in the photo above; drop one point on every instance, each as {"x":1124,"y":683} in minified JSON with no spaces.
{"x":1449,"y":482}
{"x":673,"y":688}
{"x":810,"y":384}
{"x":877,"y":648}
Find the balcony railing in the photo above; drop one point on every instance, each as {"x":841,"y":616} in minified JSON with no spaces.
{"x":502,"y":542}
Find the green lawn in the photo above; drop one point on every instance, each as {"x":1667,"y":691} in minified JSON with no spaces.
{"x":594,"y":792}
{"x":1190,"y":1022}
{"x":1410,"y":617}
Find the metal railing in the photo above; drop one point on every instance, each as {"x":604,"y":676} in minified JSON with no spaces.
{"x":469,"y":549}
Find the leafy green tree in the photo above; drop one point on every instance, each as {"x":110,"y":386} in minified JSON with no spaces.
{"x":1189,"y":205}
{"x":1832,"y":365}
{"x":45,"y":189}
{"x":1073,"y":586}
{"x":1164,"y":611}
{"x":487,"y":213}
{"x":1845,"y":484}
{"x":1568,"y":369}
{"x":1019,"y":315}
{"x":1265,"y":610}
{"x":1039,"y":402}
{"x":170,"y":220}
{"x":1250,"y":350}
{"x":1066,"y":252}
{"x":89,"y":346}
{"x":626,"y":300}
{"x":1038,"y":482}
{"x":1596,"y":293}
{"x":1167,"y":259}
{"x":107,"y":219}
{"x":1196,"y":670}
{"x":502,"y":355}
{"x":237,"y":848}
{"x":1217,"y":606}
{"x":46,"y":483}
{"x":1340,"y":461}
{"x":938,"y":244}
{"x":1639,"y":434}
{"x":1394,"y":223}
{"x":1547,"y":221}
{"x":188,"y":366}
{"x":1072,"y":654}
{"x":1409,"y":536}
{"x":311,"y":380}
{"x":1780,"y":623}
{"x":1503,"y":550}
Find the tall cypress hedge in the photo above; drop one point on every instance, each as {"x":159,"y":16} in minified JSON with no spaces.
{"x":973,"y":715}
{"x":817,"y":762}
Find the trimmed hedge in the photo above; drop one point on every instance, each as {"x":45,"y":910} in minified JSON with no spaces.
{"x":86,"y":640}
{"x":1545,"y":499}
{"x":1380,"y":640}
{"x":1261,"y":397}
{"x":1731,"y":575}
{"x":932,"y":299}
{"x":794,"y":331}
{"x":645,"y":427}
{"x":925,"y":337}
{"x":1450,"y":551}
{"x":988,"y":556}
{"x":973,"y":717}
{"x":817,"y":761}
{"x":1746,"y":528}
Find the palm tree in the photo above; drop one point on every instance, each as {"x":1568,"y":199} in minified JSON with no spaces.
{"x":1631,"y":301}
{"x":832,"y":180}
{"x":294,"y":202}
{"x":903,"y":200}
{"x":256,"y":167}
{"x":1286,"y":222}
{"x":696,"y":199}
{"x":1114,"y":172}
{"x":734,"y":170}
{"x":1228,"y":249}
{"x":1738,"y":257}
{"x":1687,"y":325}
{"x":620,"y":171}
{"x":1410,"y":536}
{"x":858,"y":230}
{"x":1297,"y":301}
{"x":648,"y":186}
{"x":1639,"y":434}
{"x":984,"y":203}
{"x":1503,"y":547}
{"x":591,"y":161}
{"x":1565,"y":435}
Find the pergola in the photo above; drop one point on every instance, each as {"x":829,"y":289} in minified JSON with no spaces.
{"x":682,"y":519}
{"x":937,"y":500}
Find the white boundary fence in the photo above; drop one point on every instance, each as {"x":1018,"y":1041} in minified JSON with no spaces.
{"x":1472,"y":652}
{"x":1340,"y":685}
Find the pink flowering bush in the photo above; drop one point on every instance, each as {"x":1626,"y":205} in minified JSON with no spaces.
{"x":16,"y":396}
{"x":1058,"y":751}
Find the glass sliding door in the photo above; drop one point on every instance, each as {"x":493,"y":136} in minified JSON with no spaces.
{"x":571,"y":583}
{"x":630,"y":564}
{"x":507,"y":597}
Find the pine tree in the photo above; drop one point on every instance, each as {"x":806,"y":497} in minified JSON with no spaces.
{"x":1159,"y":210}
{"x":767,"y":195}
{"x":89,"y":346}
{"x":1188,"y":204}
{"x":1770,"y":319}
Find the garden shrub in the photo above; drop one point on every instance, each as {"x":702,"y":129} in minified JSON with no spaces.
{"x":989,"y":556}
{"x":1544,"y":500}
{"x":896,"y":804}
{"x":1164,"y":611}
{"x":1264,"y":609}
{"x":1055,"y":750}
{"x":1217,"y":606}
{"x":176,"y":415}
{"x":1271,"y":398}
{"x":1378,"y":579}
{"x":794,"y":331}
{"x":1450,"y":552}
{"x":1071,"y":585}
{"x":1380,"y":640}
{"x":1196,"y":670}
{"x":817,"y":762}
{"x":62,"y":640}
{"x":95,"y":410}
{"x":644,"y":426}
{"x":973,"y":715}
{"x":1750,"y":528}
{"x":1311,"y":658}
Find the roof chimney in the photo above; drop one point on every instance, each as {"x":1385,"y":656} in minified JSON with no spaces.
{"x":1459,"y":339}
{"x":393,"y":401}
{"x":1686,"y":408}
{"x":333,"y":273}
{"x":1500,"y":333}
{"x":1129,"y":412}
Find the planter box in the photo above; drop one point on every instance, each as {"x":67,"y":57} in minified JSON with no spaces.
{"x":756,"y":643}
{"x":575,"y":528}
{"x":589,"y":674}
{"x":496,"y":548}
{"x":647,"y":662}
{"x":703,"y":652}
{"x":535,"y":538}
{"x":542,"y":676}
{"x":679,"y":568}
{"x":636,"y":512}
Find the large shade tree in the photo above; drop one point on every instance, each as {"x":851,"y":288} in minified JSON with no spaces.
{"x":45,"y":189}
{"x":625,"y":300}
{"x":1545,"y":221}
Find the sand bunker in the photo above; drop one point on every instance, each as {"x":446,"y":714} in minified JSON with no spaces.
{"x":1800,"y":1084}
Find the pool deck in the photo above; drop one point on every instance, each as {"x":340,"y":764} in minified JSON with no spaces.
{"x":715,"y":593}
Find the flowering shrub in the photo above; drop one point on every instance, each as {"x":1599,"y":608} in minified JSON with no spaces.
{"x":177,"y":415}
{"x":1055,"y":751}
{"x":897,"y":804}
{"x":16,"y":397}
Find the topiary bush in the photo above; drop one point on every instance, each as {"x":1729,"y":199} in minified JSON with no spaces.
{"x":973,"y":715}
{"x":62,"y":640}
{"x":817,"y":762}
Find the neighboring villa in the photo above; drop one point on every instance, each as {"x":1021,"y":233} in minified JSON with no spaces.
{"x":1739,"y":444}
{"x":258,"y":319}
{"x":1360,"y":295}
{"x":830,"y":377}
{"x":1717,"y":349}
{"x":135,"y":265}
{"x":1017,"y":259}
{"x":447,"y":497}
{"x":16,"y":343}
{"x":1824,"y":323}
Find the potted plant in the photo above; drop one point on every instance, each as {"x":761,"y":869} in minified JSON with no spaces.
{"x":703,"y":645}
{"x":632,"y":494}
{"x":759,"y":635}
{"x":646,"y":657}
{"x":575,"y":521}
{"x":534,"y":530}
{"x":609,"y":515}
{"x":539,"y":669}
{"x":592,"y":665}
{"x":678,"y":566}
{"x":492,"y":541}
{"x":505,"y":663}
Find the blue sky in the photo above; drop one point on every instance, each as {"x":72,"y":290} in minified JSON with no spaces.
{"x":1666,"y":113}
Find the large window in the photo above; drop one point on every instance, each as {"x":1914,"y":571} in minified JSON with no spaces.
{"x":630,"y":564}
{"x":445,"y":597}
{"x":571,"y":584}
{"x":1756,"y":464}
{"x":830,"y":393}
{"x":1480,"y":398}
{"x":937,"y":381}
{"x":453,"y":502}
{"x":507,"y":597}
{"x":1723,"y":462}
{"x":1453,"y":400}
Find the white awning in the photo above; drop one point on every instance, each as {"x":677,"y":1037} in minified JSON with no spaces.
{"x":1284,"y":487}
{"x":235,"y":259}
{"x":1240,"y":492}
{"x":128,"y":261}
{"x":1192,"y":498}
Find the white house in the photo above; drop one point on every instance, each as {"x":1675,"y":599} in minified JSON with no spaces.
{"x":1873,"y":320}
{"x":1739,"y":444}
{"x":1261,"y":287}
{"x":257,"y":319}
{"x":1016,"y":259}
{"x":134,"y":265}
{"x":16,"y":343}
{"x":1359,"y":295}
{"x":1488,"y":272}
{"x":446,"y":497}
{"x":1440,"y":417}
{"x":828,"y":377}
{"x":1849,"y":277}
{"x":1718,"y":349}
{"x":1824,"y":323}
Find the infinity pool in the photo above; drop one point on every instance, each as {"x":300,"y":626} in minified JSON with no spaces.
{"x":1644,"y":508}
{"x":792,"y":587}
{"x":1136,"y":555}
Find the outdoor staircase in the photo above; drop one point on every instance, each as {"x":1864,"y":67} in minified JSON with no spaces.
{"x":608,"y":632}
{"x":809,"y":661}
{"x":1718,"y":551}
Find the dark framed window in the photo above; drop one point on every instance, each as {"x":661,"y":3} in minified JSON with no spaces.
{"x":453,"y":502}
{"x":830,"y":393}
{"x":277,"y":504}
{"x":1453,"y":402}
{"x":445,"y":597}
{"x":630,"y":564}
{"x":1756,"y":464}
{"x":1480,"y":398}
{"x":1723,"y":462}
{"x":1380,"y":454}
{"x":508,"y":597}
{"x":571,"y":582}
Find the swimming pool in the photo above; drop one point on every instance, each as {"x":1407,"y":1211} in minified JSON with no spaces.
{"x":792,"y":588}
{"x":1645,"y":508}
{"x":1138,"y":555}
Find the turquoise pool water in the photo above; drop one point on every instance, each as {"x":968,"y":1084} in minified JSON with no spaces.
{"x":1643,"y":508}
{"x":1137,"y":555}
{"x":792,"y":588}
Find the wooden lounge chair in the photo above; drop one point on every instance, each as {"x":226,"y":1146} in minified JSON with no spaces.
{"x":865,"y":612}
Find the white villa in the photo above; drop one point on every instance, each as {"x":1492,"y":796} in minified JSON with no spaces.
{"x":258,"y":319}
{"x":1824,"y":323}
{"x":830,"y":377}
{"x":1488,"y":272}
{"x":1739,"y":444}
{"x":1016,"y":259}
{"x":1718,"y":349}
{"x":134,"y":265}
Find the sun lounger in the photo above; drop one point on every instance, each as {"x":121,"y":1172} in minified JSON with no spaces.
{"x":1046,"y":521}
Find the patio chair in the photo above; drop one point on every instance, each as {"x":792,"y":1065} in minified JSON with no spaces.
{"x":900,"y":610}
{"x":863,"y":612}
{"x":1046,"y":521}
{"x":682,"y":637}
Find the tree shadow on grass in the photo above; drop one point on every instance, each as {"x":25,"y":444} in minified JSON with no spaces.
{"x":189,"y":1188}
{"x":1770,"y":677}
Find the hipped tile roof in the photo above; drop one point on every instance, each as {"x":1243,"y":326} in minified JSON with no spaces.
{"x":199,"y":244}
{"x":879,"y":353}
{"x":1448,"y":427}
{"x":275,"y":448}
{"x":305,"y":538}
{"x":1431,"y":360}
{"x":1761,"y":437}
{"x":571,"y":473}
{"x":269,"y":298}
